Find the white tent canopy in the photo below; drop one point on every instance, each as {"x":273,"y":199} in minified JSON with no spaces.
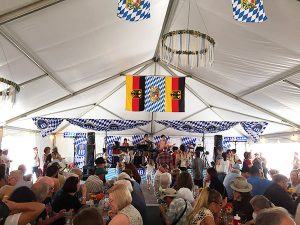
{"x":70,"y":57}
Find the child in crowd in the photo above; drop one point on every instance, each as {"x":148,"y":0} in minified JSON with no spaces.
{"x":149,"y":172}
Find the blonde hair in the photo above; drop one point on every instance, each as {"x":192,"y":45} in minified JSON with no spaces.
{"x":121,"y":195}
{"x":206,"y":197}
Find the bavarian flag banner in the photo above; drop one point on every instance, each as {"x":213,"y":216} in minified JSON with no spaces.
{"x":134,"y":10}
{"x":251,"y":11}
{"x":155,"y":94}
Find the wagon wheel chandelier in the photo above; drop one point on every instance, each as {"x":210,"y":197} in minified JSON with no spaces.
{"x":187,"y":47}
{"x":8,"y":88}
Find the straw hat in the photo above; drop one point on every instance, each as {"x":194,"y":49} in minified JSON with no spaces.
{"x":240,"y":184}
{"x":168,"y":192}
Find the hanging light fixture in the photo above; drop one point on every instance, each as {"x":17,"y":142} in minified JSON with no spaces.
{"x":188,"y":47}
{"x":8,"y":88}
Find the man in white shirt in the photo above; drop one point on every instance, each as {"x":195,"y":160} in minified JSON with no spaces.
{"x":6,"y":160}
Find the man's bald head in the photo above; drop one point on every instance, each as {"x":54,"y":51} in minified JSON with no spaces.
{"x":40,"y":190}
{"x":49,"y":182}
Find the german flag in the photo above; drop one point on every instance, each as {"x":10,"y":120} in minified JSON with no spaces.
{"x":135,"y":93}
{"x":175,"y":87}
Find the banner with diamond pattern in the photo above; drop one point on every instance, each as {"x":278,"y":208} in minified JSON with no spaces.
{"x":134,"y":10}
{"x":80,"y":143}
{"x":249,"y":11}
{"x":109,"y":140}
{"x":254,"y":129}
{"x":47,"y":125}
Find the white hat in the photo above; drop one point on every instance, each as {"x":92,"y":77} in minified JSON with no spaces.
{"x":240,"y":184}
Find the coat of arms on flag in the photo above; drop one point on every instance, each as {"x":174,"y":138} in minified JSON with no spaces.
{"x":249,"y":11}
{"x":155,"y":94}
{"x":134,"y":10}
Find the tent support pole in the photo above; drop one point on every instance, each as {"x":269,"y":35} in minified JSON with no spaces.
{"x":234,"y":96}
{"x":255,"y":117}
{"x":109,"y":94}
{"x":280,"y":77}
{"x":76,"y":93}
{"x":34,"y":58}
{"x":26,"y":10}
{"x":119,"y":117}
{"x":167,"y":23}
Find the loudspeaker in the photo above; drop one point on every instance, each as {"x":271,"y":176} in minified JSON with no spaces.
{"x":90,"y":149}
{"x":91,"y":138}
{"x":87,"y":171}
{"x":218,"y":141}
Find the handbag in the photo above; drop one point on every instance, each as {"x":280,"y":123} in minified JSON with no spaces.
{"x":181,"y":215}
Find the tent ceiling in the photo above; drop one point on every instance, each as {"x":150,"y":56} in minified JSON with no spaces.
{"x":75,"y":44}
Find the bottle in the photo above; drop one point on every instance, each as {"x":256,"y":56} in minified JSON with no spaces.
{"x":236,"y":220}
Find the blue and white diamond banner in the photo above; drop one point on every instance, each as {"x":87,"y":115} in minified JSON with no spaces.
{"x":47,"y":125}
{"x":198,"y":126}
{"x":134,"y":10}
{"x":157,"y":139}
{"x":110,"y":140}
{"x":107,"y":125}
{"x":137,"y":139}
{"x":80,"y":144}
{"x":249,"y":11}
{"x":254,"y":129}
{"x":155,"y":94}
{"x":188,"y":140}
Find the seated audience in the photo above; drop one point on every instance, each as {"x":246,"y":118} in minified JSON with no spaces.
{"x":23,"y":169}
{"x":235,"y":171}
{"x":273,"y":172}
{"x":15,"y":179}
{"x":259,"y":184}
{"x":295,"y":182}
{"x":122,"y":211}
{"x":274,"y":216}
{"x":27,"y":210}
{"x":66,"y":199}
{"x":94,"y":185}
{"x":208,"y":204}
{"x":3,"y":180}
{"x":101,"y":168}
{"x":184,"y":186}
{"x":137,"y":196}
{"x":88,"y":216}
{"x":245,"y":172}
{"x":258,"y":203}
{"x":176,"y":210}
{"x":241,"y":198}
{"x":161,"y":169}
{"x":41,"y":191}
{"x":135,"y":174}
{"x":278,"y":194}
{"x":52,"y":172}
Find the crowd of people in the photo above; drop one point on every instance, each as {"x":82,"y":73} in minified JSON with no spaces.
{"x":206,"y":196}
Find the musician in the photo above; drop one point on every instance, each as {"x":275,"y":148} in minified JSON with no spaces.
{"x":163,"y":144}
{"x":147,"y":154}
{"x":125,"y":143}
